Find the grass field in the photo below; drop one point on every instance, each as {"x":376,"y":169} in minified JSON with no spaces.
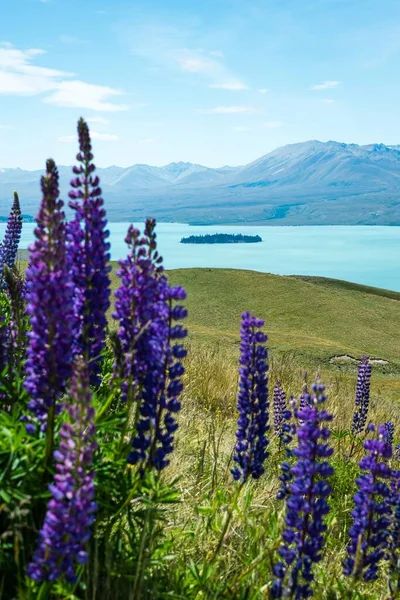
{"x":315,"y":318}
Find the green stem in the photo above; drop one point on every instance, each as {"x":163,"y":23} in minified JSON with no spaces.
{"x":141,"y":564}
{"x":227,"y":522}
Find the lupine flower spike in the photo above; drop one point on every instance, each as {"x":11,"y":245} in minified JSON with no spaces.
{"x":251,"y":445}
{"x":362,"y":396}
{"x":88,"y":254}
{"x":279,"y":404}
{"x":306,"y":503}
{"x":389,"y":431}
{"x":148,"y":361}
{"x":70,"y":512}
{"x":9,"y":246}
{"x":49,"y":306}
{"x":369,"y":533}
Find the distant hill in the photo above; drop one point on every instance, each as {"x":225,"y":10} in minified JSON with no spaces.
{"x":298,"y":184}
{"x":316,"y":318}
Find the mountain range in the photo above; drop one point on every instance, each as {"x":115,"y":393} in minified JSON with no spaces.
{"x":309,"y":183}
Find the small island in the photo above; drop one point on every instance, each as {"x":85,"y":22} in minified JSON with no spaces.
{"x":221,"y":238}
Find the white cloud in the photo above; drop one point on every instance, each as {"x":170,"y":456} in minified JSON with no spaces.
{"x":79,"y":94}
{"x":263,"y":90}
{"x":177,"y":48}
{"x":327,"y":100}
{"x":232,"y":110}
{"x":240,"y":128}
{"x":95,"y":135}
{"x":233,"y":86}
{"x":272,"y":124}
{"x":145,"y":141}
{"x":18,"y":76}
{"x":196,"y":64}
{"x":326,"y":85}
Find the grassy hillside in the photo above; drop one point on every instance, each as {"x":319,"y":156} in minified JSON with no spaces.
{"x":316,"y":318}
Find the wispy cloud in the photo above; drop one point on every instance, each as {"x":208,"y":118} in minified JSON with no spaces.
{"x":235,"y":86}
{"x":263,"y":90}
{"x":272,"y":124}
{"x":19,"y":77}
{"x":241,"y":128}
{"x":79,"y":94}
{"x":325,"y":85}
{"x":95,"y":135}
{"x":178,"y":49}
{"x":145,"y":141}
{"x":327,"y":100}
{"x":232,"y":110}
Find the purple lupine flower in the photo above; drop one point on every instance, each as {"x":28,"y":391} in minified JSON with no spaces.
{"x":49,"y":305}
{"x":397,"y":452}
{"x":394,"y":535}
{"x":389,"y":432}
{"x":362,"y":396}
{"x":289,"y":429}
{"x":88,"y":255}
{"x":306,"y":504}
{"x":279,"y":404}
{"x":70,"y":512}
{"x":369,"y":533}
{"x":148,"y":362}
{"x":9,"y":246}
{"x":252,"y":427}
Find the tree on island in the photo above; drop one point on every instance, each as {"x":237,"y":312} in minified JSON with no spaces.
{"x":221,"y":238}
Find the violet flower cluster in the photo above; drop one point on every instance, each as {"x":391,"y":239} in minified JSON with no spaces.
{"x":9,"y":245}
{"x":70,"y":512}
{"x":148,"y":361}
{"x":279,"y":406}
{"x":88,"y":255}
{"x":306,"y":504}
{"x":389,"y":432}
{"x":49,"y":305}
{"x":362,"y":396}
{"x":369,"y":533}
{"x":251,"y":436}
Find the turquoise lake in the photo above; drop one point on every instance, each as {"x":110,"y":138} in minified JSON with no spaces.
{"x":368,"y":255}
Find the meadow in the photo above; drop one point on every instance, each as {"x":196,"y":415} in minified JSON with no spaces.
{"x":137,"y":461}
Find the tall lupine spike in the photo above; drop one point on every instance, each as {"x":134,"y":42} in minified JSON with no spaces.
{"x":279,"y":404}
{"x":251,"y":436}
{"x":389,"y":432}
{"x":394,"y":536}
{"x":362,"y":396}
{"x":289,"y":429}
{"x":49,"y":306}
{"x":9,"y":246}
{"x":306,"y":504}
{"x":16,"y":290}
{"x":148,"y":362}
{"x":369,"y":533}
{"x":88,"y":255}
{"x":70,"y":512}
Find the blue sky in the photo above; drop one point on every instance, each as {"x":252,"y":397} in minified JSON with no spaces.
{"x":213,"y":81}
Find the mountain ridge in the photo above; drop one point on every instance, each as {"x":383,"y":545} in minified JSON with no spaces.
{"x":308,"y":182}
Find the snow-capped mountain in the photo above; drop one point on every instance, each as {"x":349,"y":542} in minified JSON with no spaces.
{"x":304,"y":183}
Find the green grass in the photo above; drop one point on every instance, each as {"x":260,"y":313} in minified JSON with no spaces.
{"x":314,"y":317}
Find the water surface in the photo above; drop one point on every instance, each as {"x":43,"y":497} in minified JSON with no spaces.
{"x":362,"y":254}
